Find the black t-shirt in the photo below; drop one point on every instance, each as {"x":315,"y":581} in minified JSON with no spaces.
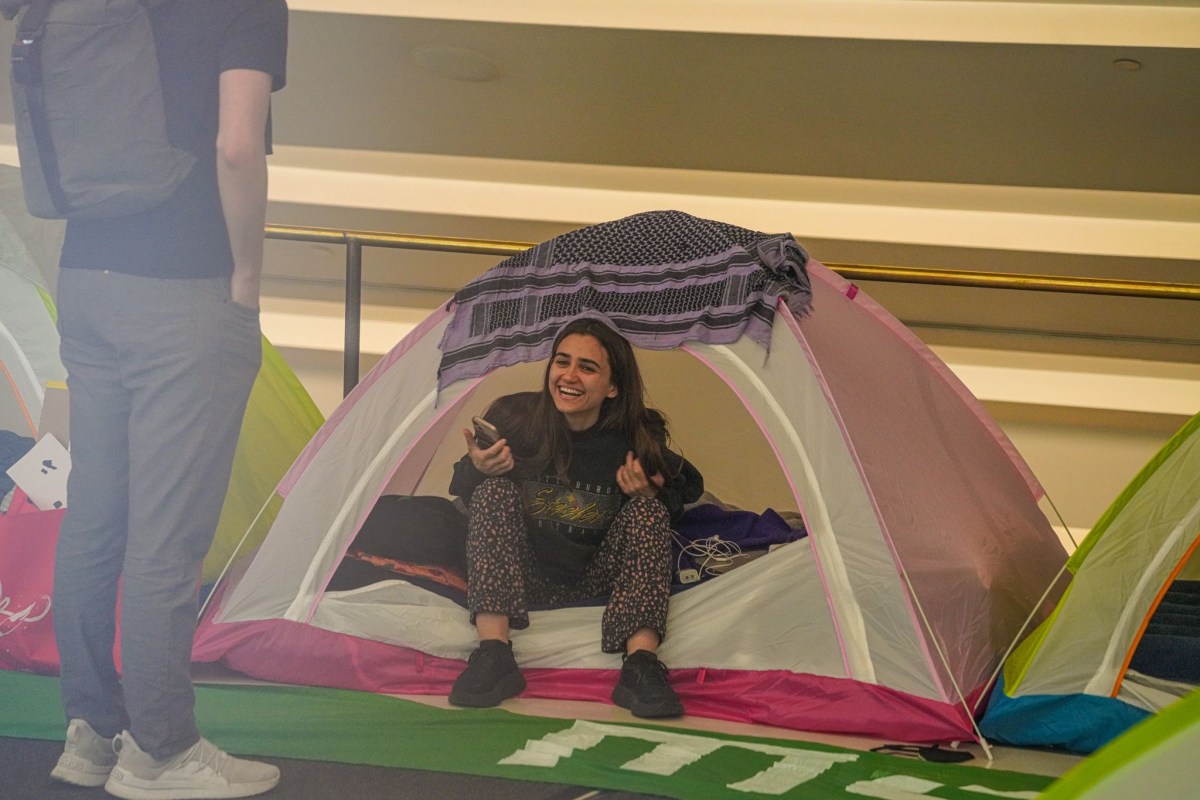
{"x":185,"y":237}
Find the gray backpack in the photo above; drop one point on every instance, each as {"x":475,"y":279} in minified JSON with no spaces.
{"x":91,"y":128}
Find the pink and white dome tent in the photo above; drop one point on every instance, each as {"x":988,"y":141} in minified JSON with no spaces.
{"x":926,"y":549}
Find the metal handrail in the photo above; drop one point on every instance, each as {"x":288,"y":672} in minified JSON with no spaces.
{"x":1110,"y":287}
{"x":354,"y":241}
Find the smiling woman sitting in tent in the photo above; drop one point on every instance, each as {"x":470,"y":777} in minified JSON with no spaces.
{"x":576,"y":501}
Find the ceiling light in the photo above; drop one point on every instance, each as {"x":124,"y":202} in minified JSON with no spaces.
{"x":1127,"y":64}
{"x":456,"y":63}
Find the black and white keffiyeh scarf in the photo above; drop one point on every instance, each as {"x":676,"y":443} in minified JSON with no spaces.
{"x":660,"y":278}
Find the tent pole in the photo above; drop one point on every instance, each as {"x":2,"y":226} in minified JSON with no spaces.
{"x":233,"y":555}
{"x":1032,"y":613}
{"x":941,"y":653}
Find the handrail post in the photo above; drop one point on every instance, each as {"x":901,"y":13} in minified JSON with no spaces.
{"x":350,"y":359}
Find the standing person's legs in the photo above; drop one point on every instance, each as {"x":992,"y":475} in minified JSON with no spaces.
{"x":91,"y":541}
{"x":189,"y":361}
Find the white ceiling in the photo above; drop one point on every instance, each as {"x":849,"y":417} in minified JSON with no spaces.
{"x":1000,"y":136}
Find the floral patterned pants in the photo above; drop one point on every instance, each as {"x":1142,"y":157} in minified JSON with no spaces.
{"x":632,"y":566}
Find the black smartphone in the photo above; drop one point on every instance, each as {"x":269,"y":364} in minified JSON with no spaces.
{"x":486,"y":434}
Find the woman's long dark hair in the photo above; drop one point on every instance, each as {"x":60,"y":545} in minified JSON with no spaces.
{"x":537,"y":431}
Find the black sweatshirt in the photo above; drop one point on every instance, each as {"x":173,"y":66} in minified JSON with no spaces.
{"x":567,"y":523}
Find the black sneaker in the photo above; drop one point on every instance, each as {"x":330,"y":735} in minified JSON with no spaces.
{"x":491,"y":676}
{"x":643,"y":687}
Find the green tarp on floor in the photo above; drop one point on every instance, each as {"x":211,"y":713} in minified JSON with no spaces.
{"x":363,"y":728}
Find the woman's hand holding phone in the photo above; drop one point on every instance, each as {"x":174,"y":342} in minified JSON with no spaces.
{"x":489,"y":452}
{"x":486,"y":434}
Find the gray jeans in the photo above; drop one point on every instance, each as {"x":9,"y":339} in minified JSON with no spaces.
{"x":159,"y":371}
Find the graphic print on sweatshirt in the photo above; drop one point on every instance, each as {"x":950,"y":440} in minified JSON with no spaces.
{"x":581,"y":507}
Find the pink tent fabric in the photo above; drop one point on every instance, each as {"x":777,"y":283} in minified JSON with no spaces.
{"x":926,"y":549}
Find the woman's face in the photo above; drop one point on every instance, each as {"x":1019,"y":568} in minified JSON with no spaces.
{"x":580,"y":379}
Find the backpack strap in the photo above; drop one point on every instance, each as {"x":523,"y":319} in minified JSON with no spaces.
{"x":27,"y":71}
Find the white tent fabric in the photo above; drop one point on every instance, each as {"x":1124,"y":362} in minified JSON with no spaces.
{"x":926,"y":549}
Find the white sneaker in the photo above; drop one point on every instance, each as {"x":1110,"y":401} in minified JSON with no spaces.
{"x":201,"y":772}
{"x":87,"y":758}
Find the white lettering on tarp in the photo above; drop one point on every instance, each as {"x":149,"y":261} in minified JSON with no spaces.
{"x":546,"y":752}
{"x":674,"y":751}
{"x":894,"y":787}
{"x":10,"y":621}
{"x":669,"y":757}
{"x":789,"y":772}
{"x":906,"y":787}
{"x":677,"y":750}
{"x":998,"y":793}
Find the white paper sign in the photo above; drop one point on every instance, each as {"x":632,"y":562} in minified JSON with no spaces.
{"x":42,"y":473}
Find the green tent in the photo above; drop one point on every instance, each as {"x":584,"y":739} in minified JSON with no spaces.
{"x":280,"y":416}
{"x":1155,"y":759}
{"x":1124,"y":640}
{"x":28,"y":338}
{"x":280,"y":419}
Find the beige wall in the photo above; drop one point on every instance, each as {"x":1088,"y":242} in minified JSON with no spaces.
{"x":1084,"y":458}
